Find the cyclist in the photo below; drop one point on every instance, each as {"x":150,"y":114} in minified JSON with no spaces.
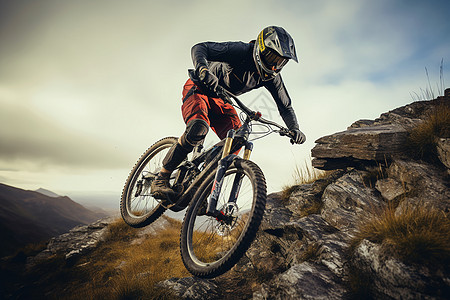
{"x":239,"y":67}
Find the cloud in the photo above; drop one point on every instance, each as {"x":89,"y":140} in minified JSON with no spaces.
{"x":92,"y":84}
{"x":28,"y":137}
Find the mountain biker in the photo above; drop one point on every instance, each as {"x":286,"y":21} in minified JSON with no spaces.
{"x":239,"y":67}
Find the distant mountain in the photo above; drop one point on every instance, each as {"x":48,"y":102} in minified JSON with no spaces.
{"x":31,"y":216}
{"x":98,"y":204}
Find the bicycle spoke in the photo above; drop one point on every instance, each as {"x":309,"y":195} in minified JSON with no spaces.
{"x":217,"y":238}
{"x":138,"y":206}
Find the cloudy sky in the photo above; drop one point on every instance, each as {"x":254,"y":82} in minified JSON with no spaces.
{"x":87,"y":86}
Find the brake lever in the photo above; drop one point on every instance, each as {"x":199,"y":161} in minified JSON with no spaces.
{"x":288,"y":133}
{"x":220,"y":91}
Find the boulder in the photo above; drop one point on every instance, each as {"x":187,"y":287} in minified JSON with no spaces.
{"x":374,"y":141}
{"x":303,"y":281}
{"x":443,"y":150}
{"x":76,"y":242}
{"x":84,"y":238}
{"x":408,"y":116}
{"x":392,"y":279}
{"x":390,"y":189}
{"x":423,"y":183}
{"x":357,"y":146}
{"x":192,"y":288}
{"x":348,"y":199}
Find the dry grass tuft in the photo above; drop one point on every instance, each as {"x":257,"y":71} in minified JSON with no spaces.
{"x":429,"y":92}
{"x":304,"y":174}
{"x":311,"y":253}
{"x":422,"y":140}
{"x":117,"y":269}
{"x":287,"y":191}
{"x":417,"y":235}
{"x":374,"y":174}
{"x":307,"y":174}
{"x":313,"y":207}
{"x":142,"y":266}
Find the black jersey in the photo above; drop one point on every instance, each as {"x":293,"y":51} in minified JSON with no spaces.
{"x":233,"y":64}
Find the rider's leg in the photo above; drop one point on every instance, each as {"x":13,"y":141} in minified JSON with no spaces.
{"x":194,"y":134}
{"x":225,"y":117}
{"x":194,"y":106}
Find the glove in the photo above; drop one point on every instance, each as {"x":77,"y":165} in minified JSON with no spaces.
{"x":298,"y":137}
{"x":208,"y":79}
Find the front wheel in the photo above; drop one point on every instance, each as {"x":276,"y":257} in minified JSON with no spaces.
{"x":137,"y":205}
{"x":210,"y":247}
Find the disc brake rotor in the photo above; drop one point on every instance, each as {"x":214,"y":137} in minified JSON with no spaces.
{"x":230,"y":210}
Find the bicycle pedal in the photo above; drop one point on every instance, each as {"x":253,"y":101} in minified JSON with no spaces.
{"x":170,"y":201}
{"x":168,"y":206}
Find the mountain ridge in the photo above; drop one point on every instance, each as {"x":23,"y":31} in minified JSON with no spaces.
{"x":47,"y":192}
{"x":32,"y":217}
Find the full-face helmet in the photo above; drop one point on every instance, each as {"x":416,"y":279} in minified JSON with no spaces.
{"x":273,"y":49}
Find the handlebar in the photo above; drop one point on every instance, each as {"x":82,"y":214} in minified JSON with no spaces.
{"x":226,"y":96}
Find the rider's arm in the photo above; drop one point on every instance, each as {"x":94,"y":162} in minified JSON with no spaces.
{"x":280,"y":95}
{"x":230,"y":52}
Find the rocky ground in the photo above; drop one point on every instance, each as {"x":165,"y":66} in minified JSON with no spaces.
{"x":309,"y":256}
{"x":305,"y":248}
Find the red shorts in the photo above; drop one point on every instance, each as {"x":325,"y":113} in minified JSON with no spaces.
{"x":219,"y":115}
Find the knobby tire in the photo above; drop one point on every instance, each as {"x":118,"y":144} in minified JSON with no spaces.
{"x":237,"y":238}
{"x":147,"y":208}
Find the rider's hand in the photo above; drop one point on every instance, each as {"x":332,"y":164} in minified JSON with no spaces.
{"x":298,"y":136}
{"x":208,"y":79}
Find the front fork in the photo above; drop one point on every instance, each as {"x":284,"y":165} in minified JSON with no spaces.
{"x":224,"y":164}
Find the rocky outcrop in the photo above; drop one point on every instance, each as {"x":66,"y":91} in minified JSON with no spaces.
{"x":77,"y":241}
{"x":82,"y":239}
{"x":192,"y":288}
{"x":302,"y":281}
{"x":368,"y":142}
{"x":359,"y":146}
{"x":375,"y":173}
{"x":303,"y":247}
{"x":393,"y":279}
{"x":443,"y":150}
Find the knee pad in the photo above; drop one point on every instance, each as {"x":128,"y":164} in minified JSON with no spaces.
{"x":195,"y":133}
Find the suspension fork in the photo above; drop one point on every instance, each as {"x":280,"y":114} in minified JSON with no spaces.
{"x":238,"y":178}
{"x":224,"y":163}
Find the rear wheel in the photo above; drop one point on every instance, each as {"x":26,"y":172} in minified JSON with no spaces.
{"x":137,"y":205}
{"x":210,"y":247}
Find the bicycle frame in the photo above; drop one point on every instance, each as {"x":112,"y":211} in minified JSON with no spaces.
{"x":234,"y":141}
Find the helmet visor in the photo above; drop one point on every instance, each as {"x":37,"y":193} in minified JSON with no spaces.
{"x":273,"y":61}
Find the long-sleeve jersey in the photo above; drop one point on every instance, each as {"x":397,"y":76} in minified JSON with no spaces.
{"x":233,"y":64}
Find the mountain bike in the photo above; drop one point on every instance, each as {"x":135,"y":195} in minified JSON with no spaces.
{"x":225,"y":195}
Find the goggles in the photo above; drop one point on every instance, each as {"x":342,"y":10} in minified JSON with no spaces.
{"x":273,"y":61}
